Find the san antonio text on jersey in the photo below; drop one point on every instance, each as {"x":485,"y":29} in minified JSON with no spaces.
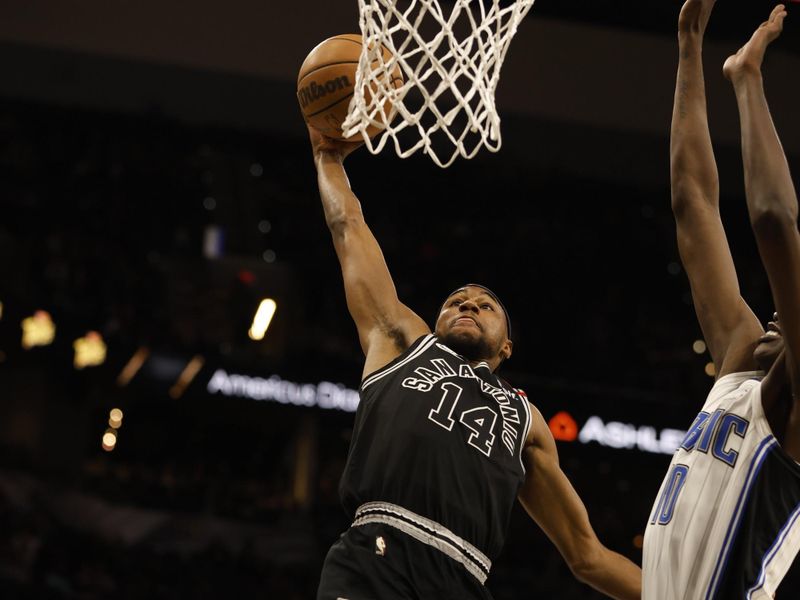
{"x":436,"y":453}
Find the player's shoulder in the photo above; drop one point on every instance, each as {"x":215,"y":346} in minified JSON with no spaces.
{"x":733,"y":382}
{"x":415,"y":350}
{"x":505,"y":384}
{"x":731,"y":389}
{"x":529,"y":414}
{"x":517,"y":393}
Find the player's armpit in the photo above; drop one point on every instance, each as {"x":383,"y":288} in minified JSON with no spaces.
{"x":552,"y":502}
{"x":385,"y":343}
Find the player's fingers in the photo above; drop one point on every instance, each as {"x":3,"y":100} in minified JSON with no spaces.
{"x":776,"y":23}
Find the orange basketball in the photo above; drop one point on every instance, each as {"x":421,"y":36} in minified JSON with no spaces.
{"x":326,"y":82}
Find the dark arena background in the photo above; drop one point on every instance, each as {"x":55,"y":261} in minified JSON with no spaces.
{"x":156,"y":184}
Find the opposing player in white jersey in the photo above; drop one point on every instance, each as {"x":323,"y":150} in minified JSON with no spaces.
{"x":726,"y":522}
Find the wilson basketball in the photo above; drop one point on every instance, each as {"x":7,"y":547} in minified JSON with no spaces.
{"x":327,"y":80}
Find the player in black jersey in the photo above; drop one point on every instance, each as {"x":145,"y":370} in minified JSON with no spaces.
{"x":441,"y":446}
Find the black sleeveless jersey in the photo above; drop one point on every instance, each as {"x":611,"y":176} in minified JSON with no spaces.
{"x":441,"y":439}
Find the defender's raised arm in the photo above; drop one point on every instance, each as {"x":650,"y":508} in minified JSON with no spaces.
{"x":730,"y":328}
{"x":772,"y":205}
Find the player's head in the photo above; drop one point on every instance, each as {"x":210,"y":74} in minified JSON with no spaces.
{"x":769,"y":346}
{"x":474,"y":323}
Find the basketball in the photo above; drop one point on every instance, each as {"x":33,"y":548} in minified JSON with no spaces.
{"x":326,"y":83}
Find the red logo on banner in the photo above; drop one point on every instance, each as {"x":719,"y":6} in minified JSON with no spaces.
{"x":564,"y":427}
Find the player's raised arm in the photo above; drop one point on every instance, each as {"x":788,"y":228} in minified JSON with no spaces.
{"x":553,"y":503}
{"x":771,"y":197}
{"x":730,"y":328}
{"x":386,"y":327}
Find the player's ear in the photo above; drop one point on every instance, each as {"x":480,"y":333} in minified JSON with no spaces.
{"x":506,"y":349}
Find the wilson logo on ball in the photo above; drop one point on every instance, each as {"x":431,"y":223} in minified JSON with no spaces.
{"x":315,"y":91}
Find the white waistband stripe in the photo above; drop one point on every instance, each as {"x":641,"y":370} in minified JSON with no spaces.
{"x":428,"y":532}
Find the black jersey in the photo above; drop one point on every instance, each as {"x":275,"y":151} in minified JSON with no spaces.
{"x":436,"y":452}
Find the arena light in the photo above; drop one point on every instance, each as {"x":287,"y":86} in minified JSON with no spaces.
{"x":699,"y":347}
{"x":115,"y":418}
{"x":186,"y":377}
{"x":213,"y":241}
{"x":130,"y":370}
{"x":266,"y":310}
{"x":90,"y":351}
{"x":109,"y":440}
{"x":38,"y":330}
{"x":563,"y":427}
{"x":711,"y":370}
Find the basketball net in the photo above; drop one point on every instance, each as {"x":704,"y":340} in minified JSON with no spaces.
{"x":451,"y":65}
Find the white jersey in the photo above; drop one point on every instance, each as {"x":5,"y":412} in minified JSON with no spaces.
{"x":726,"y":522}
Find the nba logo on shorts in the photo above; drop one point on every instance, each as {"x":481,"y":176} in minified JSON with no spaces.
{"x":380,"y":546}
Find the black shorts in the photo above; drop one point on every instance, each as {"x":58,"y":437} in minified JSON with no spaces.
{"x":378,"y":562}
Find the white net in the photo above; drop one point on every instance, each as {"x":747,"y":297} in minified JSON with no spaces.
{"x":450,"y":62}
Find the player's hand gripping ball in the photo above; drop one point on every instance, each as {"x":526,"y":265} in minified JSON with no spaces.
{"x":326,"y":83}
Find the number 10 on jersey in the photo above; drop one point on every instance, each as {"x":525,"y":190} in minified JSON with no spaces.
{"x":669,"y":497}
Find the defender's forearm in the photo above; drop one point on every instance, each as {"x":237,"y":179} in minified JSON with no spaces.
{"x":691,"y":154}
{"x":768,"y":182}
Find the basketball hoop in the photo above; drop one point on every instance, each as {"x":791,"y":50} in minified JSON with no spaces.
{"x":451,"y":62}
